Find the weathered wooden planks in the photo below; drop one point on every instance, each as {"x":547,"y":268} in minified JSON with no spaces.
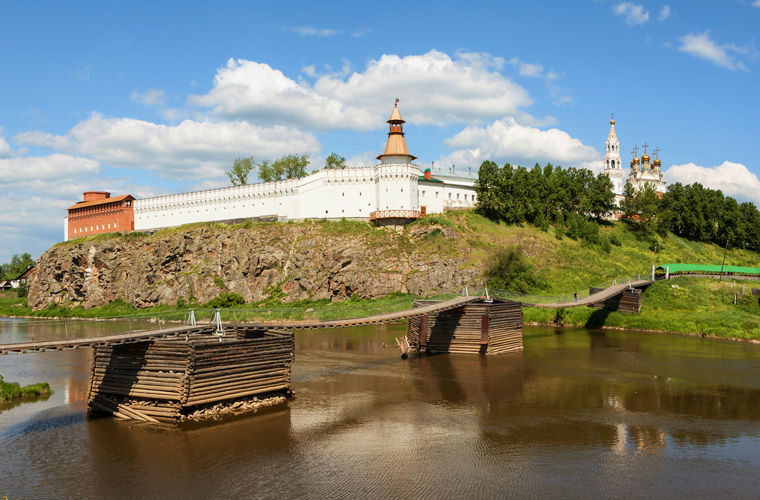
{"x":474,"y":328}
{"x":164,"y":380}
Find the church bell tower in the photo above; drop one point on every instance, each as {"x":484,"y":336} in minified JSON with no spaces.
{"x":613,"y":165}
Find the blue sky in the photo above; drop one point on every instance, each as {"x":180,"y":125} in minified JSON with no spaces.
{"x":147,"y":98}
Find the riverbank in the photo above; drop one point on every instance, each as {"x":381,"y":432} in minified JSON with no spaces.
{"x":12,"y":391}
{"x":689,"y":305}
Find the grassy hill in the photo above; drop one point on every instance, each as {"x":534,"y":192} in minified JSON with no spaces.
{"x":696,"y":305}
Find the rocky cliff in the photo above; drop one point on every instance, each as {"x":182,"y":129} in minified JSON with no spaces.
{"x":310,"y":260}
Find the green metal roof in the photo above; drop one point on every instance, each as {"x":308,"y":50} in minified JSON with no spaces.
{"x":708,"y":269}
{"x":422,"y":179}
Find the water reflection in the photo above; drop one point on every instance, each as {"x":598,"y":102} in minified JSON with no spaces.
{"x":609,"y":407}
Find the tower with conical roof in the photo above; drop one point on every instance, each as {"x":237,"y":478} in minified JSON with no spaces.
{"x":396,"y":176}
{"x":395,"y":147}
{"x":613,"y":165}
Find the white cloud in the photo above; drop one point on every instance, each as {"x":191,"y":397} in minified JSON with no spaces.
{"x":756,"y":3}
{"x":507,"y":140}
{"x":434,"y":88}
{"x":634,"y":14}
{"x":702,"y":46}
{"x":151,"y":97}
{"x":5,"y":148}
{"x":527,"y":69}
{"x":734,"y":179}
{"x":365,"y":31}
{"x":665,"y":13}
{"x":30,"y":171}
{"x":191,"y":148}
{"x":312,"y":31}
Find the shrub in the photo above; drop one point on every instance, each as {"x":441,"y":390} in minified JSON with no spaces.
{"x":615,"y":240}
{"x":509,"y":270}
{"x":226,"y":299}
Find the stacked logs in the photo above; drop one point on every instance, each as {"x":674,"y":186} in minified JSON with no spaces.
{"x":628,"y":300}
{"x":465,"y":331}
{"x":167,"y":379}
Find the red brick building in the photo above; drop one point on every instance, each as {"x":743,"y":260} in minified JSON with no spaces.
{"x":98,"y":213}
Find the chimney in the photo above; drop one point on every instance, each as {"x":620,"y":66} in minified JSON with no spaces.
{"x":428,"y":175}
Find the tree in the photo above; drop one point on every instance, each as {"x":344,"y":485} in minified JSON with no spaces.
{"x":238,"y":174}
{"x":16,"y":266}
{"x":334,"y":160}
{"x":287,"y":167}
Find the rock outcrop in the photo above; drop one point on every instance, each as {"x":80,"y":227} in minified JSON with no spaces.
{"x":309,"y":260}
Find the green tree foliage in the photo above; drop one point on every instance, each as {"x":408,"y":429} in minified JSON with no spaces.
{"x":510,"y":270}
{"x":287,"y":167}
{"x":702,"y":214}
{"x":545,"y":195}
{"x":334,"y":160}
{"x":17,"y":265}
{"x":642,"y":210}
{"x":238,"y":174}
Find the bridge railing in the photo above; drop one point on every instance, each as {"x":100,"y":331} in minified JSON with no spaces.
{"x":549,"y":298}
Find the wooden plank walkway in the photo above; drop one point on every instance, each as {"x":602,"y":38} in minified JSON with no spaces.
{"x":367,"y":320}
{"x":179,"y":331}
{"x":121,"y":338}
{"x":595,"y":297}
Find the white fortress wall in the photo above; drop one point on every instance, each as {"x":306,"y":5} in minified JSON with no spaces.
{"x":397,"y":184}
{"x":338,"y":193}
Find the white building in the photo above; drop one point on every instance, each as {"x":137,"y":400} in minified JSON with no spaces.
{"x":613,"y":165}
{"x":391,"y":190}
{"x":643,"y":172}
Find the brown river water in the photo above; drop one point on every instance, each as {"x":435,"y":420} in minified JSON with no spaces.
{"x":578,"y":413}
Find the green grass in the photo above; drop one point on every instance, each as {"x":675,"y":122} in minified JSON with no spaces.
{"x":11,"y":391}
{"x":565,"y":266}
{"x":696,"y":305}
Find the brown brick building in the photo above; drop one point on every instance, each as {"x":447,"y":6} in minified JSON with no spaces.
{"x":99,"y":213}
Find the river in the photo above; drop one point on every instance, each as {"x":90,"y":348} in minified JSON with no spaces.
{"x":578,"y":413}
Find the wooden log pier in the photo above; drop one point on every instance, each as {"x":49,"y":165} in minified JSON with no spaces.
{"x":480,"y":327}
{"x":168,"y":379}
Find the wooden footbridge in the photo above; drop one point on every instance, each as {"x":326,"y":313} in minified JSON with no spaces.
{"x":185,"y":331}
{"x":175,"y":373}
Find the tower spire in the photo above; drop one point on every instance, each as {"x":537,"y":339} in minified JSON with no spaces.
{"x":396,"y":144}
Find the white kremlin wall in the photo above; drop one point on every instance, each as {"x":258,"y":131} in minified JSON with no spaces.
{"x":351,"y":193}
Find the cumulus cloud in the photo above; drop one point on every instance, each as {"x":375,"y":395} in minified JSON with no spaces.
{"x":508,"y":141}
{"x":5,"y":148}
{"x":191,"y":148}
{"x":30,"y":171}
{"x":312,"y":31}
{"x":664,"y":13}
{"x":633,"y":14}
{"x":434,"y":87}
{"x":734,"y":179}
{"x":702,"y":46}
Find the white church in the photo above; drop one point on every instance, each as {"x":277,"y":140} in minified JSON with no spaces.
{"x":642,"y":171}
{"x":393,"y":189}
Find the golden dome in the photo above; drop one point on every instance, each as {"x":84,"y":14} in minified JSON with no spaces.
{"x":636,"y":160}
{"x":644,"y":158}
{"x":657,"y":162}
{"x":612,"y":122}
